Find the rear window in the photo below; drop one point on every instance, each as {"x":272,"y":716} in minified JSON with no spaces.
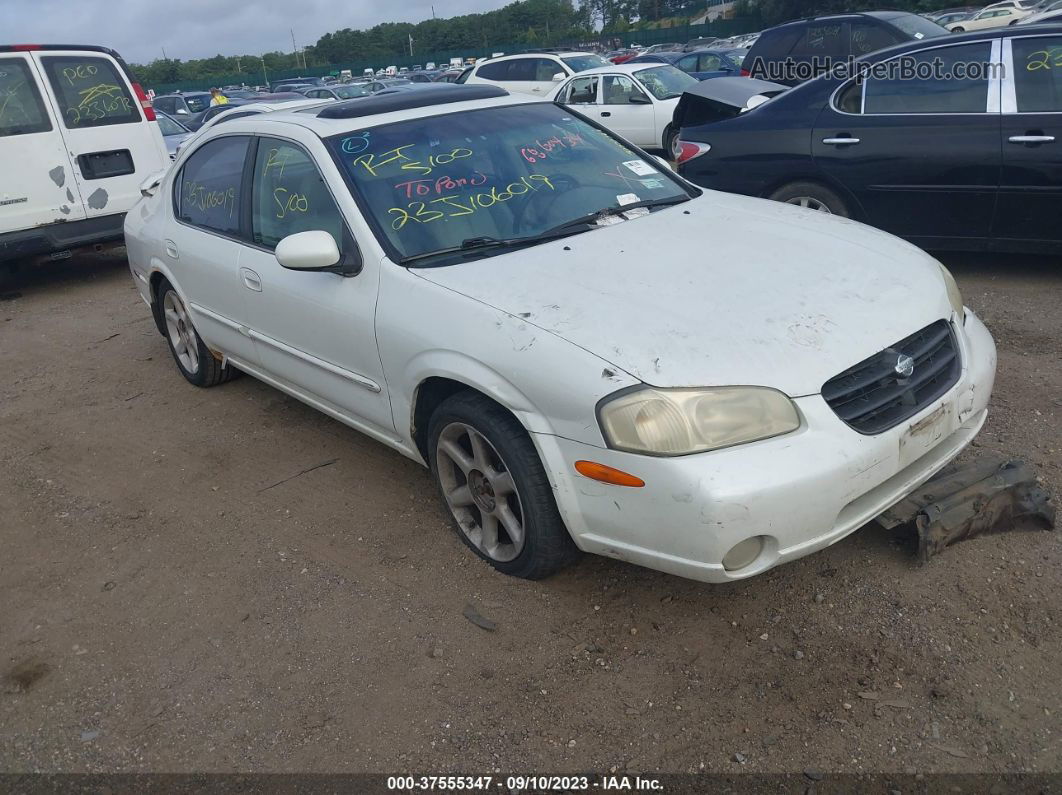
{"x":197,"y":103}
{"x":914,"y":26}
{"x":90,"y":91}
{"x":21,"y":108}
{"x":580,"y":63}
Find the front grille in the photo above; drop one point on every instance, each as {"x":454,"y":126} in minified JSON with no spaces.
{"x":874,"y":395}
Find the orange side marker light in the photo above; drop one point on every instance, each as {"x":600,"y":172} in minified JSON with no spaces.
{"x":607,"y":474}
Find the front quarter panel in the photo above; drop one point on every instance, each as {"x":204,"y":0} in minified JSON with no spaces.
{"x":425,"y":330}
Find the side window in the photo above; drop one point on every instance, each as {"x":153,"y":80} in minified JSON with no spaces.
{"x":710,"y":63}
{"x":582,"y":91}
{"x":1038,"y":74}
{"x":90,"y":91}
{"x":494,"y":71}
{"x":944,"y":91}
{"x":166,"y":105}
{"x":868,"y":38}
{"x":522,"y":69}
{"x":21,"y":107}
{"x":545,"y":69}
{"x":207,"y":192}
{"x":825,"y":39}
{"x":289,"y":195}
{"x":688,"y":64}
{"x":618,"y":90}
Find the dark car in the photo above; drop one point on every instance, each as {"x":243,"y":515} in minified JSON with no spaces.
{"x":423,"y":75}
{"x":946,"y":161}
{"x":274,"y":85}
{"x":702,"y":64}
{"x":182,"y":105}
{"x":345,"y":91}
{"x":452,"y":75}
{"x":797,"y":51}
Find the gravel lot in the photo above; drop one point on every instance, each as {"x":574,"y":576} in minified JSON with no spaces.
{"x":177,"y":597}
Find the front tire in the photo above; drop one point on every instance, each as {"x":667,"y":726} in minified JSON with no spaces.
{"x":495,"y":488}
{"x":811,"y":196}
{"x":195,"y":361}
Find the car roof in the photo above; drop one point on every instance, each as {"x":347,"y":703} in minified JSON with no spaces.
{"x":358,"y":114}
{"x":534,"y":54}
{"x":622,"y":68}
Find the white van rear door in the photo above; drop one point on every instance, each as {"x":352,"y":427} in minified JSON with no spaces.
{"x":37,"y":187}
{"x":112,"y":145}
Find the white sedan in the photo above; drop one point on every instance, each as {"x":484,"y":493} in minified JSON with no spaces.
{"x":635,"y":101}
{"x":588,"y":352}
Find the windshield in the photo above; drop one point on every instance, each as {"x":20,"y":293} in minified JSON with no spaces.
{"x":917,"y":27}
{"x":501,"y":173}
{"x":351,"y":92}
{"x":197,"y":103}
{"x":168,"y":126}
{"x":666,"y":82}
{"x":580,"y":63}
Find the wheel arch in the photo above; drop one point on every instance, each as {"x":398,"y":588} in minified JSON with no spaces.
{"x":450,"y":373}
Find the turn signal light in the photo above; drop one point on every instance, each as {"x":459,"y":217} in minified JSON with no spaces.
{"x":145,"y":103}
{"x":607,"y":474}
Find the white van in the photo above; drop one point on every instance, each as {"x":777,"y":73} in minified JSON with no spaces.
{"x":77,"y":138}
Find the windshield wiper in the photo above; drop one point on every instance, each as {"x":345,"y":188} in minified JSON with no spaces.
{"x":589,"y":219}
{"x":474,"y":244}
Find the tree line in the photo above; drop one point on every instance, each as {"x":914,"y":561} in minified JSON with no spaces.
{"x":527,"y":23}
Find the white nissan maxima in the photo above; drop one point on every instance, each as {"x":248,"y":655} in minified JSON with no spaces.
{"x":588,"y":352}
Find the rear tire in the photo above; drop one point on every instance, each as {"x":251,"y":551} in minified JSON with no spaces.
{"x":669,"y":142}
{"x":495,"y":488}
{"x":195,"y":361}
{"x":812,"y":196}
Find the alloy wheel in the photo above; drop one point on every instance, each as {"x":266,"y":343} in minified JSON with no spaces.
{"x":481,"y":492}
{"x":181,"y":333}
{"x":810,"y":203}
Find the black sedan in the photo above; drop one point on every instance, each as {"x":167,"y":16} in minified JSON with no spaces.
{"x":936,"y":143}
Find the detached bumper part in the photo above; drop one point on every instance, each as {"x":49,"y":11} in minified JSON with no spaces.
{"x":979,"y":498}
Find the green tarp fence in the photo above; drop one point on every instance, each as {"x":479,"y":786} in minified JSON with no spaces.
{"x":679,"y":33}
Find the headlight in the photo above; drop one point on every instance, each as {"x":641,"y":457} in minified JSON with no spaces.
{"x":682,"y":421}
{"x":954,"y":296}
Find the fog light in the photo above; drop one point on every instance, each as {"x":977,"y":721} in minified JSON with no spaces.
{"x":743,"y":553}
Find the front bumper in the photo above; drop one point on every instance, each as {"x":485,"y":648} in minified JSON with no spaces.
{"x":801,"y":492}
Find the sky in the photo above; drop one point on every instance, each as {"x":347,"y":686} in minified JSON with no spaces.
{"x":141,"y":29}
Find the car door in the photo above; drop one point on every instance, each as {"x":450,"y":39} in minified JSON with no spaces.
{"x":627,"y":110}
{"x":314,"y":331}
{"x":920,"y":155}
{"x":581,"y":93}
{"x":113,"y":146}
{"x":204,"y":244}
{"x":1030,"y":196}
{"x":38,"y":185}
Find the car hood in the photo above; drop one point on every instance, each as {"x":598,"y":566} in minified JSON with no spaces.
{"x":720,"y":290}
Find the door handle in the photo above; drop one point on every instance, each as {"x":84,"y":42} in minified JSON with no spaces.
{"x":251,"y":280}
{"x":1031,"y":139}
{"x":606,"y":113}
{"x":171,"y":249}
{"x":840,"y":141}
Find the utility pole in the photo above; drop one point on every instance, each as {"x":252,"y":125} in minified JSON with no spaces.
{"x":265,"y":76}
{"x":433,"y":11}
{"x":410,"y":45}
{"x":238,"y":69}
{"x":294,"y":47}
{"x":164,"y":56}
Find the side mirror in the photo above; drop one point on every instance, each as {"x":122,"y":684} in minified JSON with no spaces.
{"x":308,"y":251}
{"x":640,"y":99}
{"x":559,"y":77}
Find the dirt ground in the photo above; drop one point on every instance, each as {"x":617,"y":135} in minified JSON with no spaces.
{"x":173,"y":599}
